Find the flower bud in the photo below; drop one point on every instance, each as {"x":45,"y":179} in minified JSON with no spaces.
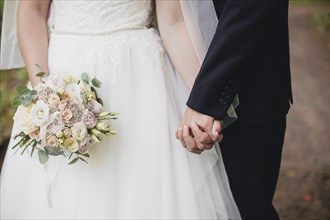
{"x":96,"y":138}
{"x":101,"y":126}
{"x":104,"y":114}
{"x":95,"y":131}
{"x":109,"y":133}
{"x":59,"y":134}
{"x":60,"y":91}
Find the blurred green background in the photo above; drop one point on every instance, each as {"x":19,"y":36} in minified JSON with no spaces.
{"x":304,"y":185}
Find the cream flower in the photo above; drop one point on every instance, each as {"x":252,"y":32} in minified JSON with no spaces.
{"x":40,"y":113}
{"x":70,"y":79}
{"x":79,"y":131}
{"x":62,"y":104}
{"x":23,"y":119}
{"x":67,"y":132}
{"x":53,"y":99}
{"x":71,"y":144}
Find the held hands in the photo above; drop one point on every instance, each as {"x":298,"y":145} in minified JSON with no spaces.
{"x":198,"y":132}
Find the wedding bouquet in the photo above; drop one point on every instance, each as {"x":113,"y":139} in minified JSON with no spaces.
{"x":61,"y":116}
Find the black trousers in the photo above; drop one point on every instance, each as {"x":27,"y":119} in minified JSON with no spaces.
{"x":252,"y":157}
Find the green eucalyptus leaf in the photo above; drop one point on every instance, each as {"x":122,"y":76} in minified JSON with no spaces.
{"x":16,"y":102}
{"x":22,"y":89}
{"x":94,"y":90}
{"x":74,"y":161}
{"x":40,"y":74}
{"x":33,"y":149}
{"x":82,"y":159}
{"x":97,"y":83}
{"x":43,"y":156}
{"x":100,"y":101}
{"x":26,"y":100}
{"x":85,"y":77}
{"x":86,"y":155}
{"x":33,"y":94}
{"x":54,"y":151}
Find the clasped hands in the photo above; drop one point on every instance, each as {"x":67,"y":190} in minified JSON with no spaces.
{"x":199,"y":132}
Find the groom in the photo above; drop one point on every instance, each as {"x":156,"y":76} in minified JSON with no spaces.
{"x":248,"y":56}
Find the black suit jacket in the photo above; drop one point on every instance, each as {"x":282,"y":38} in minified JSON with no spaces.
{"x":248,"y":56}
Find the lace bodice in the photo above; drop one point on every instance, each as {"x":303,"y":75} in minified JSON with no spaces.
{"x":101,"y":16}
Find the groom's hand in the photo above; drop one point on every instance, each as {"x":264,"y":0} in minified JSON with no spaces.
{"x":198,"y":132}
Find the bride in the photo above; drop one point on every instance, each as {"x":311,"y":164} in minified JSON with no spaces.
{"x":142,"y":172}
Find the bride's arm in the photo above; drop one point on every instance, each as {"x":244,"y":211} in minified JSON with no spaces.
{"x":176,"y":39}
{"x":32,"y":35}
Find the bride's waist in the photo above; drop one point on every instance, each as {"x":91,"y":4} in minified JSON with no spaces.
{"x":100,"y":33}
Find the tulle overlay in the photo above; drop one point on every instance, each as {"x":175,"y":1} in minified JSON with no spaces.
{"x":142,"y":172}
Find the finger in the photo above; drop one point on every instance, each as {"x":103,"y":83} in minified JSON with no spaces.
{"x":203,"y":140}
{"x":216,"y":129}
{"x":189,"y":140}
{"x":220,"y":138}
{"x":180,"y":136}
{"x":197,"y":151}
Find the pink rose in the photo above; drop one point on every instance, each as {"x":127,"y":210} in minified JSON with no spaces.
{"x":67,"y":132}
{"x":96,"y":107}
{"x":66,"y":115}
{"x":62,"y":104}
{"x":66,"y":96}
{"x":89,"y":119}
{"x":52,"y":141}
{"x":53,"y":99}
{"x":35,"y":135}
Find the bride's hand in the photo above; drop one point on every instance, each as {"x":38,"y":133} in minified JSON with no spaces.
{"x":199,"y":132}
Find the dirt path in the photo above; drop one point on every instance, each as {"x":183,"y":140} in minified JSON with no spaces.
{"x":304,"y":186}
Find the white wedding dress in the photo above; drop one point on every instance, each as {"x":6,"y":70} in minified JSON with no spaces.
{"x":142,"y":172}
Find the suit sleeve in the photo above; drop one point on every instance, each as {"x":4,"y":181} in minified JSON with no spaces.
{"x":233,"y":52}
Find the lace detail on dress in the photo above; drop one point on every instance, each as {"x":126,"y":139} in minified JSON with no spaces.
{"x":86,"y":20}
{"x":101,"y":16}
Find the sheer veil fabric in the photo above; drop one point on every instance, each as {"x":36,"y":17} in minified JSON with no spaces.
{"x":207,"y":170}
{"x":201,"y":21}
{"x":10,"y":56}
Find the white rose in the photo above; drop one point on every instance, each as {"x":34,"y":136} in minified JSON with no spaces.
{"x":23,"y":119}
{"x":79,"y":131}
{"x":40,"y":113}
{"x":71,"y":144}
